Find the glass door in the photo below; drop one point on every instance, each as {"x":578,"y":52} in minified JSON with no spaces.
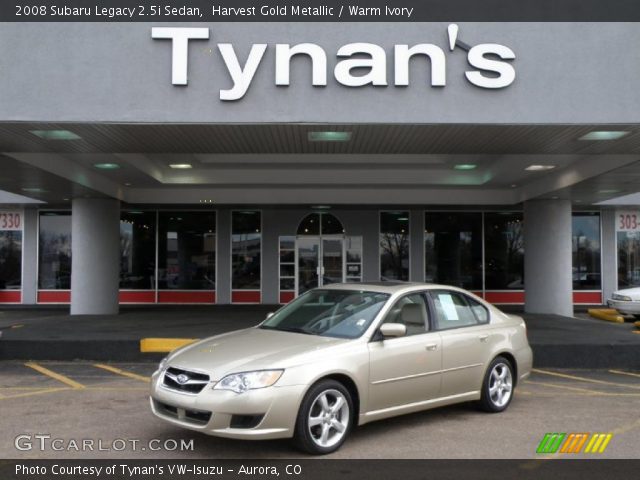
{"x":320,"y":262}
{"x":308,"y":260}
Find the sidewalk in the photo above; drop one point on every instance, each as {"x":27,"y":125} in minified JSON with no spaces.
{"x":39,"y":333}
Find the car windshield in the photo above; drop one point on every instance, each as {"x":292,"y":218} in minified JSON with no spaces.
{"x":329,"y":313}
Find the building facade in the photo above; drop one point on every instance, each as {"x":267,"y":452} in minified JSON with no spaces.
{"x":246,"y":163}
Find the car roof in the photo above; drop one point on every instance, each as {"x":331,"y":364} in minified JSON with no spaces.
{"x":390,"y":287}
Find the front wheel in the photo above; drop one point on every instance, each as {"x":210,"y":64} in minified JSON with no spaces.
{"x":497,"y":387}
{"x":324,"y":419}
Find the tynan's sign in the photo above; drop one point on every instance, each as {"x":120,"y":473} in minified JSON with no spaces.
{"x":490,"y":62}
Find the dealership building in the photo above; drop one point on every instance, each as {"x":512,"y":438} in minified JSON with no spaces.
{"x":245,"y":163}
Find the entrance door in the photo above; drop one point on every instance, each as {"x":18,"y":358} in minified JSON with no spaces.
{"x":320,"y":262}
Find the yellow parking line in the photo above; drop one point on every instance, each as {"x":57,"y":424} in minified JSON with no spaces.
{"x":124,"y":373}
{"x":39,"y":392}
{"x":54,"y":375}
{"x":620,"y":372}
{"x":565,"y":387}
{"x":584,"y":379}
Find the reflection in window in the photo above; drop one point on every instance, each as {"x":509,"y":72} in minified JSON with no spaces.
{"x":187,"y":250}
{"x":54,"y":251}
{"x":246,"y":243}
{"x":394,"y":246}
{"x":453,"y":249}
{"x":10,"y":259}
{"x":504,"y":251}
{"x":628,"y":259}
{"x":137,"y":250}
{"x":586,"y":251}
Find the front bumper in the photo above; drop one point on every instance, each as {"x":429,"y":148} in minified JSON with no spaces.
{"x":625,"y":307}
{"x":276,"y":406}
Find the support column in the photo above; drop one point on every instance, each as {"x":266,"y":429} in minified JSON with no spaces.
{"x":609,"y":252}
{"x":223,"y":266}
{"x":30,"y":257}
{"x":416,"y":245}
{"x":95,"y":250}
{"x":547,"y":257}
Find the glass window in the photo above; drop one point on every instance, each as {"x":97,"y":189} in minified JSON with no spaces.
{"x":453,"y":249}
{"x":187,"y":250}
{"x":10,"y":259}
{"x":504,"y":251}
{"x":287,"y":263}
{"x":628,"y":259}
{"x":54,"y":251}
{"x":353,"y":247}
{"x":329,"y":313}
{"x":246,"y":244}
{"x":137,"y":250}
{"x":452,"y":310}
{"x":394,"y":246}
{"x":586,"y":251}
{"x":411,"y":311}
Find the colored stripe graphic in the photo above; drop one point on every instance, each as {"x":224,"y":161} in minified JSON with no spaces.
{"x":573,"y":442}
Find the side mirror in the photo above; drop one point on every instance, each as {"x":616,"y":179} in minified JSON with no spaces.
{"x":392,"y":330}
{"x":269,"y":315}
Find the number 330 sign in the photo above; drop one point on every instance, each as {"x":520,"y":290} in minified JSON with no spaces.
{"x":10,"y":220}
{"x":628,"y":220}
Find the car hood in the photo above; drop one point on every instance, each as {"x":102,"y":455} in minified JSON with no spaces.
{"x":634,"y":293}
{"x":250,"y":349}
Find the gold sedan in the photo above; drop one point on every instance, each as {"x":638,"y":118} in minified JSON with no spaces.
{"x":342,"y":356}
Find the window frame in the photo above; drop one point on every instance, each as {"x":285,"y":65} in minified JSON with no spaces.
{"x":377,"y":336}
{"x":438,"y":328}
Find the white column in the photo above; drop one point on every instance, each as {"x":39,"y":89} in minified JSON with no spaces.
{"x":95,"y":253}
{"x":547,"y":257}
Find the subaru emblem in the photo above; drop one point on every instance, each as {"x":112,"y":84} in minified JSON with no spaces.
{"x":182,"y":379}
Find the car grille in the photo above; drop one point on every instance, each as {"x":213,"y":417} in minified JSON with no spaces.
{"x":198,"y":417}
{"x":184,"y":381}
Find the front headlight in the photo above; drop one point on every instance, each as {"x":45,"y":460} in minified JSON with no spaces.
{"x":621,"y":298}
{"x":243,"y":381}
{"x":163,"y":363}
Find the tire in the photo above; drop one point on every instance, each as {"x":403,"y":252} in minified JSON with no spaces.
{"x":497,"y":386}
{"x":321,"y":428}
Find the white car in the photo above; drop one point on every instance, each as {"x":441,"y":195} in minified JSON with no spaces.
{"x":626,"y":301}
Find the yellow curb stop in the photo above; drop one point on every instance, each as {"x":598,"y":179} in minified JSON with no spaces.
{"x":608,"y":314}
{"x":163,"y":345}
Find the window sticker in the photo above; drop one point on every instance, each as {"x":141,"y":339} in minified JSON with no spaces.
{"x":448,"y":306}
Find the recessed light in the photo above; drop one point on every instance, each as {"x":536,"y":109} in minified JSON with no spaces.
{"x":513,"y":185}
{"x":180,"y":166}
{"x":55,"y":134}
{"x":403,"y":219}
{"x":554,"y":198}
{"x":539,"y":168}
{"x":127,"y":184}
{"x":106,"y":166}
{"x":465,"y":166}
{"x":329,"y":136}
{"x":33,"y":190}
{"x":320,"y":207}
{"x":609,"y":191}
{"x":604,"y":135}
{"x":65,"y":199}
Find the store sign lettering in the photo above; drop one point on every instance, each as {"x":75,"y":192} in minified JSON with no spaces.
{"x":359,"y":64}
{"x":10,"y":220}
{"x":628,"y":221}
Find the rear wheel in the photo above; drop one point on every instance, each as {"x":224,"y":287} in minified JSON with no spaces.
{"x":498,"y":385}
{"x":324,"y":419}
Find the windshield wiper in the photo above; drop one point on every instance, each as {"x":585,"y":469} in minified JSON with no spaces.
{"x":289,"y":329}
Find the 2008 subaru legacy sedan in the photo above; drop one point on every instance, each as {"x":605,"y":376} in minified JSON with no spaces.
{"x":341,"y":356}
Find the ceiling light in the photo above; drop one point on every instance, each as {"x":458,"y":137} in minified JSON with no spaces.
{"x":329,"y":136}
{"x":320,"y":207}
{"x":604,"y":135}
{"x":180,"y":166}
{"x":465,"y":166}
{"x":55,"y":134}
{"x":106,"y":166}
{"x":403,"y":219}
{"x":33,"y":190}
{"x":609,"y":191}
{"x":539,"y":168}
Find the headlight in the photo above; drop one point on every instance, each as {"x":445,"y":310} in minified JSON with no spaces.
{"x":241,"y":382}
{"x":622,"y":298}
{"x":163,"y":363}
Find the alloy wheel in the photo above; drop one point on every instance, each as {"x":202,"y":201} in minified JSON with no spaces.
{"x":500,"y":384}
{"x":328,"y":418}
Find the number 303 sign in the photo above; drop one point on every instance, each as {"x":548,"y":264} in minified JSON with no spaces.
{"x":10,"y":220}
{"x":628,"y":220}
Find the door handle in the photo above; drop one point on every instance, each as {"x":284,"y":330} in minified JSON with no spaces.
{"x":431,"y":346}
{"x":483,"y":337}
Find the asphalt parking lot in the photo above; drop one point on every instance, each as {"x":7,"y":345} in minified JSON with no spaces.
{"x":107,"y":403}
